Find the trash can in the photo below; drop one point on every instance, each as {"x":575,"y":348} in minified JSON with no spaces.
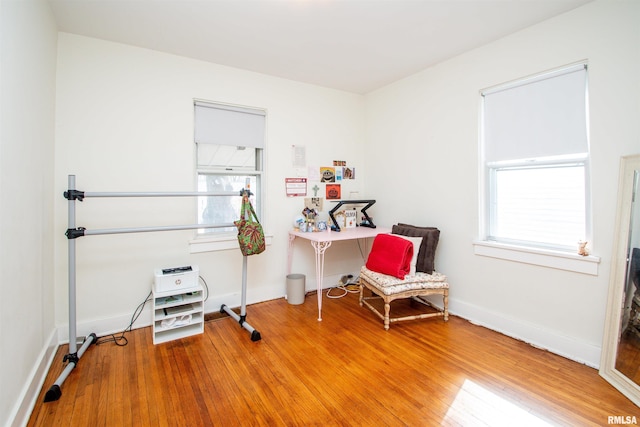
{"x":295,"y":288}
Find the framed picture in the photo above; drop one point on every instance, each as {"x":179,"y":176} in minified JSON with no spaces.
{"x":333,"y":192}
{"x":327,"y":174}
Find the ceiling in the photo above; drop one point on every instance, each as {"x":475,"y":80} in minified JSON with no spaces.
{"x":351,"y":45}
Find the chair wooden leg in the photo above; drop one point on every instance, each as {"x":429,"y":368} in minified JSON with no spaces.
{"x":445,"y":305}
{"x":387,"y":308}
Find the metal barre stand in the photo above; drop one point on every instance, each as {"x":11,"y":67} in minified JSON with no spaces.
{"x":73,"y":232}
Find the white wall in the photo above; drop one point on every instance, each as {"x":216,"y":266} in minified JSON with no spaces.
{"x":27,"y":88}
{"x":427,"y":127}
{"x":124,"y":122}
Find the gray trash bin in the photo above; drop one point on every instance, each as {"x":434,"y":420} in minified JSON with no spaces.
{"x":295,"y":288}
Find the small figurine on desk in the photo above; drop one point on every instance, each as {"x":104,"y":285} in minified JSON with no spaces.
{"x":298,"y":221}
{"x":310,"y":215}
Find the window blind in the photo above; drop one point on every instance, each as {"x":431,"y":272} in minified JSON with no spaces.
{"x":229,"y":125}
{"x":544,"y":116}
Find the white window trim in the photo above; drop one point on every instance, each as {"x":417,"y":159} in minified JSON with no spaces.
{"x":537,"y":256}
{"x":543,"y":257}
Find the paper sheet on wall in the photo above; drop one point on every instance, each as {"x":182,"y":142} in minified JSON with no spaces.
{"x":298,"y":156}
{"x":313,"y":173}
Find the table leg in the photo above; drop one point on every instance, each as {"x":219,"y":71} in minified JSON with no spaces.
{"x":290,"y":252}
{"x":319,"y":248}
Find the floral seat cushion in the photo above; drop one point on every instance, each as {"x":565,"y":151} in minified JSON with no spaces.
{"x":390,"y":285}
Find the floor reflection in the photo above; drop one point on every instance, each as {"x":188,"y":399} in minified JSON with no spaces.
{"x":628,"y":358}
{"x":476,"y":405}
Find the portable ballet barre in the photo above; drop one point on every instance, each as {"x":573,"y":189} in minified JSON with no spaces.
{"x":73,"y":232}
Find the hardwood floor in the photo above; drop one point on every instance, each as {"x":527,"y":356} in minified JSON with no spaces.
{"x":345,"y":370}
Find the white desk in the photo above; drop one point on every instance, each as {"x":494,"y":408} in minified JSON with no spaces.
{"x":321,"y":241}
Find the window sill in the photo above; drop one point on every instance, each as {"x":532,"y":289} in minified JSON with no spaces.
{"x":542,"y":257}
{"x":223,"y":242}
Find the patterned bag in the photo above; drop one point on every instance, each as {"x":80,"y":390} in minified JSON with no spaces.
{"x":250,"y":234}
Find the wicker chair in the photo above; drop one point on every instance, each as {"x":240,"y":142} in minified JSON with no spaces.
{"x":417,"y":286}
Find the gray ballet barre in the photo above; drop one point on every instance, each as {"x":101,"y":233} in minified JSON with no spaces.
{"x":73,"y":232}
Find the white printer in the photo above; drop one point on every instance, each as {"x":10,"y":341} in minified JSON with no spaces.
{"x":176,"y":279}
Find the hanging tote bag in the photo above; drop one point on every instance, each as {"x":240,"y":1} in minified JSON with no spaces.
{"x":250,"y":234}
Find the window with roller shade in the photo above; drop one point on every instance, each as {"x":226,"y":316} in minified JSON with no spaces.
{"x":535,"y":156}
{"x":230,"y":143}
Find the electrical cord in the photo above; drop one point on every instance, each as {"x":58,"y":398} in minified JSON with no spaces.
{"x":345,"y":286}
{"x":122,"y":340}
{"x":342,"y":288}
{"x":361,"y":251}
{"x":206,"y":286}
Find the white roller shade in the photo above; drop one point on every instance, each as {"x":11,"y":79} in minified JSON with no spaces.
{"x":541,"y":117}
{"x":227,"y":125}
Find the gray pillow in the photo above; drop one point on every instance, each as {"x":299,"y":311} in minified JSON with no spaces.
{"x":430,"y":237}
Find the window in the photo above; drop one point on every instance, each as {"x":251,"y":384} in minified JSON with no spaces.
{"x":229,"y":157}
{"x":535,"y":155}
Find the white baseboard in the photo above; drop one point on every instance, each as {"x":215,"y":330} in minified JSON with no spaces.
{"x":546,"y":339}
{"x":29,"y":393}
